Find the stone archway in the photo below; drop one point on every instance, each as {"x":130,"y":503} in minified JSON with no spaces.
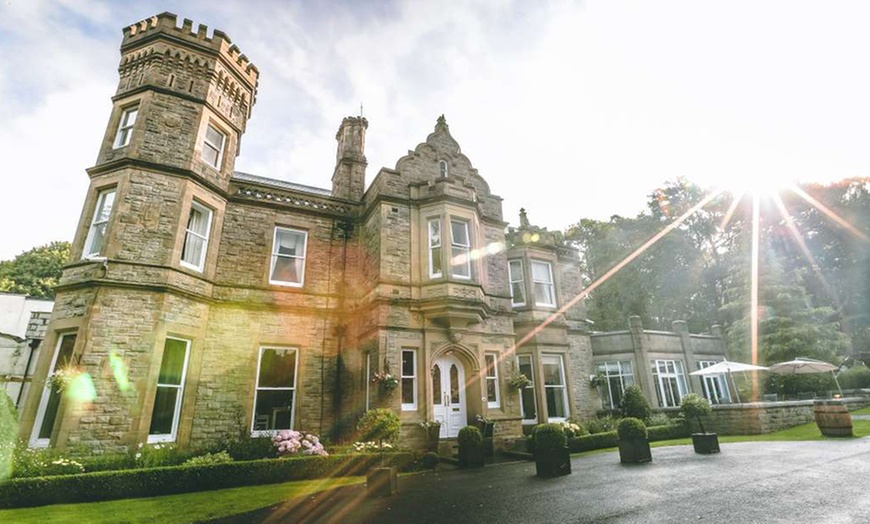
{"x":454,"y":387}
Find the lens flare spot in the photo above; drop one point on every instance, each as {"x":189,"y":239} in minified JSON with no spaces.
{"x":119,"y":371}
{"x":80,"y":389}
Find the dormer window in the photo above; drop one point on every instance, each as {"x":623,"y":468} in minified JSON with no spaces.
{"x":444,"y":169}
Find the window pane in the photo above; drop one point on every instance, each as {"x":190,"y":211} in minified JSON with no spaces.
{"x":130,"y":117}
{"x":164,"y":411}
{"x":434,"y":233}
{"x":65,"y":351}
{"x":172,"y":366}
{"x":544,"y":294}
{"x":490,"y":365}
{"x":491,"y":395}
{"x":408,"y":390}
{"x":408,"y":363}
{"x":454,"y":384}
{"x":215,"y":137}
{"x":273,"y":408}
{"x":460,"y":233}
{"x":530,"y":411}
{"x":460,"y":262}
{"x":192,"y":253}
{"x":552,"y":371}
{"x":291,"y":243}
{"x":198,"y":222}
{"x":50,"y":414}
{"x":436,"y":260}
{"x":104,"y":206}
{"x":541,"y":272}
{"x":210,"y":154}
{"x":286,"y":269}
{"x":436,"y":385}
{"x":277,"y":368}
{"x":556,"y":402}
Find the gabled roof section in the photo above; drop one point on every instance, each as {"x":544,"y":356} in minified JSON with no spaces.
{"x":423,"y":163}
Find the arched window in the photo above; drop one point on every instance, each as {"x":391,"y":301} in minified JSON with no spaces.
{"x":444,"y":170}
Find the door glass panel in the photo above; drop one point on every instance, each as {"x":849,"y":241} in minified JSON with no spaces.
{"x":454,"y":384}
{"x":436,"y":385}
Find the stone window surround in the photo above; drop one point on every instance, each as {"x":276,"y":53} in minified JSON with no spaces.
{"x":551,"y":283}
{"x":176,"y":417}
{"x":35,"y":441}
{"x":513,"y":280}
{"x":293,"y":388}
{"x":445,"y":213}
{"x":273,"y":255}
{"x":125,"y":127}
{"x":196,"y":205}
{"x":219,"y":148}
{"x":564,"y":386}
{"x":88,"y":250}
{"x":409,"y":406}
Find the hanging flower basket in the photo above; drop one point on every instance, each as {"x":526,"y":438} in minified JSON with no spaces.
{"x":519,"y":381}
{"x":386,"y":380}
{"x":61,"y":378}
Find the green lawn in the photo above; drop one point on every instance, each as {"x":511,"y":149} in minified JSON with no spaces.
{"x":188,"y":507}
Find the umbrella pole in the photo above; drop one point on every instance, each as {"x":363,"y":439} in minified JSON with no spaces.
{"x":837,"y":382}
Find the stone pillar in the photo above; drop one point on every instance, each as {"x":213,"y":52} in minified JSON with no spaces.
{"x":694,"y":383}
{"x":644,"y":374}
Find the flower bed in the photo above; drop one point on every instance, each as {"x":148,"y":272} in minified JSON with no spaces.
{"x":108,"y":485}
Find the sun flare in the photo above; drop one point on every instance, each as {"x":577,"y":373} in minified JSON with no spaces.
{"x":757,"y":184}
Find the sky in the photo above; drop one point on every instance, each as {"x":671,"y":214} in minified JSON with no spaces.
{"x":570,"y":109}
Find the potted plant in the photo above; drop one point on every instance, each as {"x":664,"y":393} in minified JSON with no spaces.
{"x":382,"y":426}
{"x":552,"y":458}
{"x":519,"y":381}
{"x":633,"y":442}
{"x":693,"y":406}
{"x":387,"y":381}
{"x":634,"y":404}
{"x":487,"y":428}
{"x":433,"y":434}
{"x":470,"y":447}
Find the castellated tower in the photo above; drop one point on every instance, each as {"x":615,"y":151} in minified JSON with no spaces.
{"x":348,"y":180}
{"x":133,"y":304}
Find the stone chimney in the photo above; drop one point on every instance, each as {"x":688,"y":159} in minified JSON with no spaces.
{"x":349,"y":178}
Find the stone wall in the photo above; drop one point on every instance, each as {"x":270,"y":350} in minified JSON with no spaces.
{"x":764,"y":417}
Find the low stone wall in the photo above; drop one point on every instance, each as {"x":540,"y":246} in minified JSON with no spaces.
{"x":764,"y":417}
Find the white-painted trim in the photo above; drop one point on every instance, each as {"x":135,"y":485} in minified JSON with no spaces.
{"x":494,"y":378}
{"x":432,"y":247}
{"x":465,"y":247}
{"x":617,"y":366}
{"x":413,"y":405}
{"x":530,"y":376}
{"x":563,"y":386}
{"x":88,"y":250}
{"x":196,"y":206}
{"x":368,"y":378}
{"x":125,"y":127}
{"x":274,"y":258}
{"x":521,"y":280}
{"x":176,"y":414}
{"x":35,"y":441}
{"x":217,"y":147}
{"x":257,"y":388}
{"x":551,"y":284}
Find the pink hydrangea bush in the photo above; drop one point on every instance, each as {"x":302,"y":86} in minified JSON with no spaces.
{"x":291,"y":442}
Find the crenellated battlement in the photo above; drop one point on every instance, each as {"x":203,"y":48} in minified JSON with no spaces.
{"x":219,"y":44}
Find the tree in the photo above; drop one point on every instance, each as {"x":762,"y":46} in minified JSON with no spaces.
{"x":35,"y":272}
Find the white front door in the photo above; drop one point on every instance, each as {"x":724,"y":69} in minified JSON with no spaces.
{"x":448,"y":395}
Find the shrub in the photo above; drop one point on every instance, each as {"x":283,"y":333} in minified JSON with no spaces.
{"x":291,"y":442}
{"x":431,"y":460}
{"x":694,"y":405}
{"x":159,"y":455}
{"x":601,"y":440}
{"x":469,"y":436}
{"x":634,"y":404}
{"x":667,"y":432}
{"x":550,"y":436}
{"x":208,"y":459}
{"x":631,"y":428}
{"x":659,"y":419}
{"x":379,"y":425}
{"x":108,"y":462}
{"x":249,"y":448}
{"x":602,"y":424}
{"x":856,"y":377}
{"x":42,"y":462}
{"x":109,"y":485}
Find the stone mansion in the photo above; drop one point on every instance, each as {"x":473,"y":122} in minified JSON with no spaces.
{"x":202,"y":302}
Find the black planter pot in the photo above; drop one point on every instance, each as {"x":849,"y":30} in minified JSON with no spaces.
{"x":552,"y":462}
{"x":634,"y":451}
{"x":471,"y":456}
{"x":432,"y":438}
{"x":705,"y":443}
{"x":486,"y":429}
{"x":382,"y":482}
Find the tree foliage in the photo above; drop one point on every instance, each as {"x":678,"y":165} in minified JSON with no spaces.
{"x":35,"y":272}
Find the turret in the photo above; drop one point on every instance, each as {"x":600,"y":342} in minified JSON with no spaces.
{"x":349,"y":178}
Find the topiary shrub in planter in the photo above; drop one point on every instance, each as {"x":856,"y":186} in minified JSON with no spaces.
{"x":633,"y":442}
{"x":694,"y":406}
{"x":634,"y":404}
{"x":382,"y":426}
{"x":470,"y":447}
{"x":552,"y":458}
{"x":430,"y":460}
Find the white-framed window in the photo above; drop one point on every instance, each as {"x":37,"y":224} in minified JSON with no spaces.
{"x":409,"y":380}
{"x":213,"y":146}
{"x":275,"y":391}
{"x":288,"y":257}
{"x":542,"y":278}
{"x":368,"y":380}
{"x":435,"y":270}
{"x":670,"y":382}
{"x":460,"y":249}
{"x":49,"y":402}
{"x":518,"y":283}
{"x":493,"y":397}
{"x":196,"y":237}
{"x":444,"y":168}
{"x":715,"y":386}
{"x":99,"y":223}
{"x":528,"y":401}
{"x":618,"y":375}
{"x":555,"y":390}
{"x":170,"y":390}
{"x":125,"y":126}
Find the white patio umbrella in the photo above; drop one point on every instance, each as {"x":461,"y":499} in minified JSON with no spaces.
{"x":802,"y":366}
{"x":728,"y":367}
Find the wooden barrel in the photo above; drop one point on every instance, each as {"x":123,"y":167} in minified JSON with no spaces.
{"x":833,"y":418}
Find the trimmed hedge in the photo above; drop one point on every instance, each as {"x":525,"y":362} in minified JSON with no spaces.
{"x":109,"y":485}
{"x":609,"y":438}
